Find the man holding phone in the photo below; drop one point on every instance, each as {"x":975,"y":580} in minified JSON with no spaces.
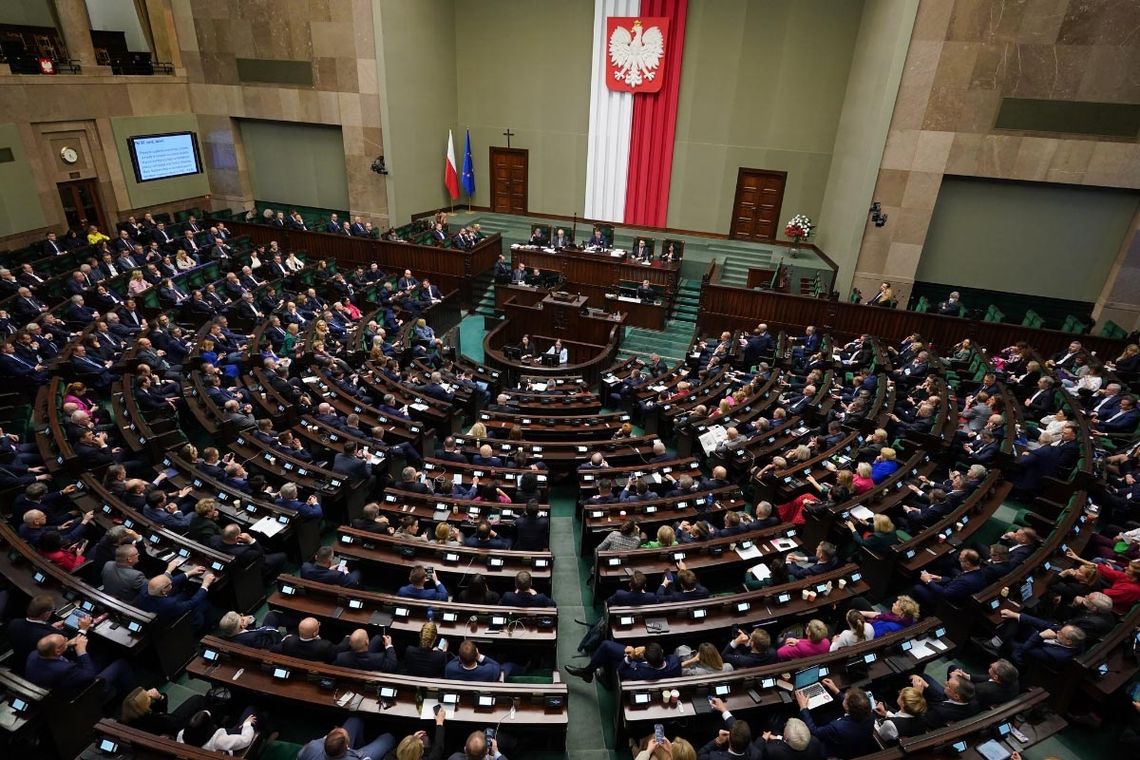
{"x":478,"y":747}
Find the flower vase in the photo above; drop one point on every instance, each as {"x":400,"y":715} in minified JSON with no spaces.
{"x":794,"y":251}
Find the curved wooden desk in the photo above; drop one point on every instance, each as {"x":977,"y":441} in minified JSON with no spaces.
{"x":591,"y":336}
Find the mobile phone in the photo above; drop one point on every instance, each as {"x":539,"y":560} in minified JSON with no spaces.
{"x":488,"y":736}
{"x":659,"y":733}
{"x":435,"y":710}
{"x":430,"y":572}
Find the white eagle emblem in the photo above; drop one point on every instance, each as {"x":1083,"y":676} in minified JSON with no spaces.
{"x":637,"y":55}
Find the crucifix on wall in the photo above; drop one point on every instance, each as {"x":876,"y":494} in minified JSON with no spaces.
{"x":508,"y":134}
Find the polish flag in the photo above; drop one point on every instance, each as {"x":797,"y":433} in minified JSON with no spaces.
{"x":450,"y":176}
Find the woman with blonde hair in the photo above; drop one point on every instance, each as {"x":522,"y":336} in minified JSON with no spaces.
{"x":675,"y":749}
{"x":862,"y":482}
{"x":183,"y":262}
{"x":137,"y":284}
{"x":815,"y":643}
{"x":881,"y":537}
{"x":904,"y":613}
{"x":906,"y":721}
{"x":666,"y":537}
{"x":145,"y":709}
{"x":478,"y":431}
{"x":413,"y":746}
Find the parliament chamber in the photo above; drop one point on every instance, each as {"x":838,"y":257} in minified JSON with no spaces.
{"x":595,"y":445}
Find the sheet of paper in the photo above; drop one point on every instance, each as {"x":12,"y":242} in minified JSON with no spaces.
{"x":760,"y":572}
{"x":267,"y":526}
{"x":860,"y":512}
{"x":752,"y":552}
{"x":427,"y":712}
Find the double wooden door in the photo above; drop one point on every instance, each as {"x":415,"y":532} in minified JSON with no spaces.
{"x":509,"y":180}
{"x":81,"y":206}
{"x":756,"y":210}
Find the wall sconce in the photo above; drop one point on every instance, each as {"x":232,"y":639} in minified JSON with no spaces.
{"x":877,"y":215}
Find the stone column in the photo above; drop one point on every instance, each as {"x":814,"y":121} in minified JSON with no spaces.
{"x":75,"y":26}
{"x":1119,"y":300}
{"x":160,"y":16}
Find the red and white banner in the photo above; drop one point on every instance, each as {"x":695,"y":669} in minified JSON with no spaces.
{"x":450,"y":176}
{"x":638,"y":45}
{"x":636,"y":53}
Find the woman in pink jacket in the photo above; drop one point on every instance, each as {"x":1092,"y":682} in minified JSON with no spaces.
{"x":815,"y":643}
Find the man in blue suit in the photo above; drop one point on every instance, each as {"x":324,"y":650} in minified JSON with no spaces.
{"x":321,"y":569}
{"x":156,"y":598}
{"x":332,"y":226}
{"x":1124,"y":420}
{"x":524,"y":594}
{"x":850,"y":735}
{"x":971,"y":580}
{"x":647,"y":663}
{"x":470,"y":665}
{"x":48,"y":668}
{"x":418,"y":588}
{"x":636,"y":595}
{"x":1036,"y":465}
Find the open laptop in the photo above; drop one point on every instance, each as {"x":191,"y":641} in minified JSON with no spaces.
{"x":807,"y":680}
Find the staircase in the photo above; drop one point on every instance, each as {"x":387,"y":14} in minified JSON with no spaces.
{"x":484,"y":284}
{"x":688,"y":302}
{"x":736,"y":263}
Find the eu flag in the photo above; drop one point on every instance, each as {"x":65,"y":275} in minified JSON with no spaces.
{"x":468,"y":178}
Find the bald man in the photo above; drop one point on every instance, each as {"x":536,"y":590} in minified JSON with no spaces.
{"x":719,"y":479}
{"x":344,"y":744}
{"x":162,"y":597}
{"x":307,"y":644}
{"x":49,"y":668}
{"x":360,"y":652}
{"x":475,"y":748}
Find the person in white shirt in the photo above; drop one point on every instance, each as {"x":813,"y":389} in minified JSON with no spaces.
{"x":858,"y":630}
{"x":560,"y":351}
{"x":203,"y":732}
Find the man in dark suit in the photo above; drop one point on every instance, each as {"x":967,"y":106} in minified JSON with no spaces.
{"x":532,"y":530}
{"x":157,"y":598}
{"x":25,"y":633}
{"x":518,"y":276}
{"x":243,"y":629}
{"x":351,"y":463}
{"x":1123,"y":420}
{"x":357,"y":229}
{"x":826,"y":560}
{"x":1093,"y":615}
{"x":49,"y":668}
{"x":849,"y":735}
{"x":971,"y":580}
{"x":1035,"y":465}
{"x":757,"y":346}
{"x":321,"y":569}
{"x":332,"y":226}
{"x":952,"y":701}
{"x":749,"y":650}
{"x":358,"y":651}
{"x":998,"y":685}
{"x":438,"y":233}
{"x":502,"y":269}
{"x":52,"y":247}
{"x":307,"y":644}
{"x":635,"y":595}
{"x":561,"y":240}
{"x":647,"y":663}
{"x":525,"y":594}
{"x":1042,"y":650}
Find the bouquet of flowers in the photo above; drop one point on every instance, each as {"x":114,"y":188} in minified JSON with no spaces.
{"x":799,"y":227}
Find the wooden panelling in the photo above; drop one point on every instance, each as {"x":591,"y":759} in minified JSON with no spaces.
{"x":724,"y":307}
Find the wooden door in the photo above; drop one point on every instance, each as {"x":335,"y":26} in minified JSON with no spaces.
{"x":756,"y":210}
{"x":81,"y":206}
{"x":509,"y":180}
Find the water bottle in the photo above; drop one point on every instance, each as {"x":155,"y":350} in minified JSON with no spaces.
{"x":430,"y":614}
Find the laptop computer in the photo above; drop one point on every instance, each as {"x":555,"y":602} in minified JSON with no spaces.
{"x":807,"y":680}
